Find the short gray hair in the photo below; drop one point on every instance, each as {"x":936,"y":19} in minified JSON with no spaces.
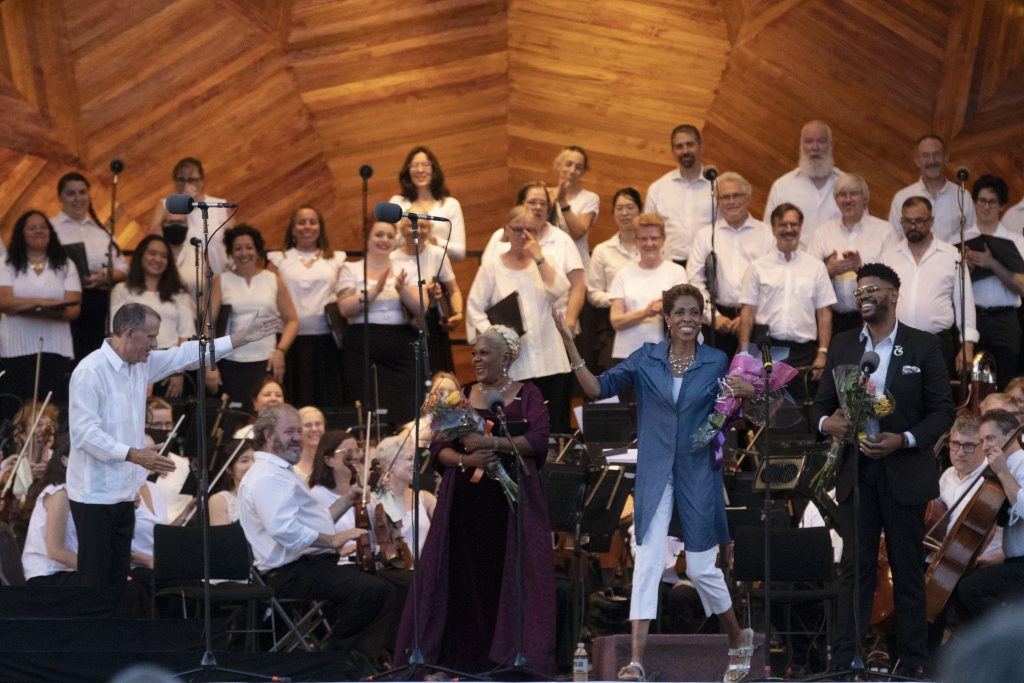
{"x":734,"y":177}
{"x":850,"y":182}
{"x":131,"y":317}
{"x":267,"y":421}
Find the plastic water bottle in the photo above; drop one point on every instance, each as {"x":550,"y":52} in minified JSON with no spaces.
{"x":580,"y":664}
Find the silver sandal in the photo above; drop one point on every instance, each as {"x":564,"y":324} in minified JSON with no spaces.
{"x":740,"y":670}
{"x":637,"y":674}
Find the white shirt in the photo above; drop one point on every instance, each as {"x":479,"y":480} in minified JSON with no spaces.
{"x":558,"y":248}
{"x":448,"y":208}
{"x":871,"y":238}
{"x":817,"y":204}
{"x":1013,"y":533}
{"x":991,"y":292}
{"x":93,"y":237}
{"x":541,"y":354}
{"x":34,"y":558}
{"x":1013,"y":218}
{"x":386,"y":308}
{"x":146,"y":519}
{"x":735,"y":248}
{"x":636,"y":286}
{"x":170,"y":486}
{"x":788,"y":294}
{"x":279,"y":515}
{"x":311,"y":288}
{"x":608,"y":259}
{"x":327,"y":498}
{"x":107,"y":416}
{"x":217,"y":254}
{"x":177,"y":316}
{"x":585,"y":202}
{"x":20,"y":334}
{"x":951,"y":487}
{"x":930,"y":290}
{"x":685,"y":206}
{"x":432,"y":261}
{"x":258,"y":296}
{"x":945,"y":209}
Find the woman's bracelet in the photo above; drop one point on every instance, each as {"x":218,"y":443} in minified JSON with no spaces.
{"x":577,"y":366}
{"x":462,"y":465}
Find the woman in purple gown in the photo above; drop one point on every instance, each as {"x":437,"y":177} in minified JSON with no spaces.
{"x":468,"y":605}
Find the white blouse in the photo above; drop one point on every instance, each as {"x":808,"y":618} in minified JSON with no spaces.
{"x":386,"y":308}
{"x":449,"y":208}
{"x":146,"y":519}
{"x":247,"y":299}
{"x":177,"y":316}
{"x":34,"y":558}
{"x":311,"y":287}
{"x":20,"y":334}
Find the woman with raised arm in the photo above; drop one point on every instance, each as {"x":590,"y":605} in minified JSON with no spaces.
{"x":310,"y":269}
{"x":577,"y":208}
{"x":422,"y":182}
{"x":153,"y":280}
{"x":675,"y":382}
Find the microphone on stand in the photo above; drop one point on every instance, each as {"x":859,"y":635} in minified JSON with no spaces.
{"x":710,"y":173}
{"x":183,"y":204}
{"x":116,"y":166}
{"x":495,"y":402}
{"x":963,"y":174}
{"x":366,"y":171}
{"x":869,"y":362}
{"x":764,"y":343}
{"x":386,"y":212}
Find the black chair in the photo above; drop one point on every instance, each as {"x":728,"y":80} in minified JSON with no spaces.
{"x":12,"y":573}
{"x":802,"y":573}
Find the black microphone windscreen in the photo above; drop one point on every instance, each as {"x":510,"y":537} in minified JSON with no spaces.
{"x":494,"y":400}
{"x":181,"y":204}
{"x":365,"y":171}
{"x":196,"y":242}
{"x":710,"y":173}
{"x":116,"y":166}
{"x":962,"y":173}
{"x":387,"y":212}
{"x":869,"y":362}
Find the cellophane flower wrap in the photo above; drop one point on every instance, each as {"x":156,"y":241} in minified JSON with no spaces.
{"x":728,"y":406}
{"x":451,"y":417}
{"x":863,"y":404}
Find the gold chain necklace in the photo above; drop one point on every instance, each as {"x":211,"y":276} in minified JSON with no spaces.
{"x":308,"y":261}
{"x":38,"y":268}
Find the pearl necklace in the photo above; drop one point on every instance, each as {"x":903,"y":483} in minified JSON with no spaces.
{"x":680,"y":364}
{"x":501,"y":390}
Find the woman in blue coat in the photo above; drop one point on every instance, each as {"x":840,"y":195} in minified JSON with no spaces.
{"x":675,"y":383}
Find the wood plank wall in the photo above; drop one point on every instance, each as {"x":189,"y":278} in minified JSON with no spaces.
{"x":283,"y":100}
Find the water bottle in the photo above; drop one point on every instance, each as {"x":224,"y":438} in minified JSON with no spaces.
{"x":580,"y":664}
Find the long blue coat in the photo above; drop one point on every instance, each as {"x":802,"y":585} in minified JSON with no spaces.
{"x":665,"y":431}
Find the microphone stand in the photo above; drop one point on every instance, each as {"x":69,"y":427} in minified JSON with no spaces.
{"x":208,"y":663}
{"x":110,"y":243}
{"x":366,"y":292}
{"x":962,"y":176}
{"x":767,"y":505}
{"x":711,"y":263}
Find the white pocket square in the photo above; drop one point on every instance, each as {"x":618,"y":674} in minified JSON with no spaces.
{"x":911,"y":370}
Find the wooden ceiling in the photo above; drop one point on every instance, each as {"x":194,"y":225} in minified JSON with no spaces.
{"x":283,"y":100}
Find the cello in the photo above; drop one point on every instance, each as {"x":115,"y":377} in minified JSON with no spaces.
{"x":968,"y":537}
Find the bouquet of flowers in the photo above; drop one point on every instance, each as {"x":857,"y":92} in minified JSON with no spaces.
{"x":451,"y":417}
{"x":728,"y":405}
{"x":863,"y":405}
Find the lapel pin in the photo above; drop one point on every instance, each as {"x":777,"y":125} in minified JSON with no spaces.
{"x":897,"y":350}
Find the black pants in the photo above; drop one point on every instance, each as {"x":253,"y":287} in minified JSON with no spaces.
{"x":391,"y":351}
{"x":988,"y":587}
{"x":1000,"y":335}
{"x":729,"y":343}
{"x":19,"y":380}
{"x":556,"y":391}
{"x":313,"y":375}
{"x":90,"y":328}
{"x":104,"y":541}
{"x":359,"y":603}
{"x":904,"y":535}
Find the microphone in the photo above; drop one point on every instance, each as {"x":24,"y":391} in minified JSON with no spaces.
{"x":962,"y":174}
{"x":494,"y":401}
{"x":869,"y":362}
{"x":387,"y":212}
{"x":116,"y":166}
{"x":184,"y":204}
{"x":765,"y":344}
{"x":196,"y":242}
{"x":710,"y":173}
{"x":366,"y":171}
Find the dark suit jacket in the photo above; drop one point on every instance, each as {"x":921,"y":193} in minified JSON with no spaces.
{"x":919,"y":383}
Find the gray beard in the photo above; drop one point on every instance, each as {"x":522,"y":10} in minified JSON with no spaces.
{"x":816,"y":168}
{"x":291,"y":456}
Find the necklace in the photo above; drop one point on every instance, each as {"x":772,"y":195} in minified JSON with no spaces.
{"x":680,"y":364}
{"x":501,"y":390}
{"x":38,"y":267}
{"x":308,"y":261}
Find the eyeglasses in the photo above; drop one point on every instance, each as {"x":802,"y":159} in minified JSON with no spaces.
{"x":987,"y":202}
{"x":349,"y":452}
{"x":735,"y":196}
{"x":868,"y":289}
{"x":161,"y":425}
{"x":421,"y":165}
{"x":967,"y":448}
{"x":535,"y":202}
{"x":188,"y":181}
{"x":915,"y":222}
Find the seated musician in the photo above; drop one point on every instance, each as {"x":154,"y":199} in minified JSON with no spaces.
{"x":294,"y":542}
{"x":989,"y":586}
{"x":159,"y":423}
{"x":1001,"y":401}
{"x":21,"y":492}
{"x":50,"y":557}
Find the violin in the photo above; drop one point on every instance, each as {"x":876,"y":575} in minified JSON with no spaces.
{"x":364,"y":551}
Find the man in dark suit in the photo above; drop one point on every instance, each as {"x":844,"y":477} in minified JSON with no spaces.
{"x":895,"y":469}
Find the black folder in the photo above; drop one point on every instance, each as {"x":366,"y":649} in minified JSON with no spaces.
{"x":1003,"y":250}
{"x":508,"y":312}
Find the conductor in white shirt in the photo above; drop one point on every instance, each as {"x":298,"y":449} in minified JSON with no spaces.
{"x":294,"y":541}
{"x":109,"y":458}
